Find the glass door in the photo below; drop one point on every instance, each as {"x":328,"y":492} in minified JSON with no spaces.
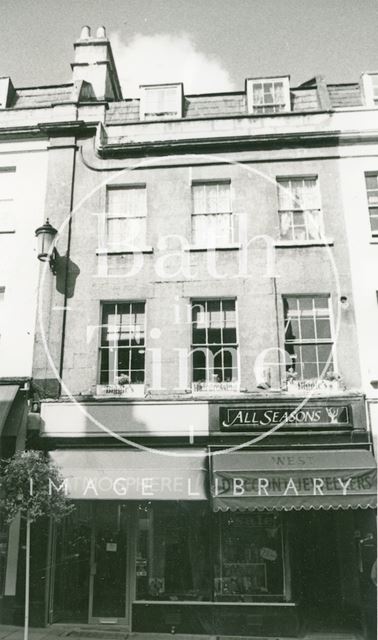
{"x":109,"y":561}
{"x":71,"y":547}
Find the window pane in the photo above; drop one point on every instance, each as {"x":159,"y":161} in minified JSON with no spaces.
{"x":373,"y":197}
{"x":228,"y":307}
{"x":199,"y":336}
{"x":214,"y":336}
{"x":292,"y":331}
{"x":324,"y":351}
{"x":310,"y":370}
{"x":199,"y":358}
{"x":314,"y":326}
{"x":374,"y":219}
{"x":309,"y":353}
{"x":307,"y":328}
{"x":212,"y":198}
{"x":372,"y":181}
{"x":323,"y":328}
{"x":126,"y":217}
{"x":173,"y":552}
{"x":229,"y":336}
{"x":242,"y":569}
{"x":305,"y":304}
{"x":214,"y":325}
{"x":123,"y":331}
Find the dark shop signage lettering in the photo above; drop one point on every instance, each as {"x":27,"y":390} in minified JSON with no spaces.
{"x":245,"y":418}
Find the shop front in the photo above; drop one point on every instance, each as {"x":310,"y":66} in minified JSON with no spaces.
{"x":213,"y":541}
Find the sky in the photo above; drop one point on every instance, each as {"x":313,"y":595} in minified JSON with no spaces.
{"x":210,"y":45}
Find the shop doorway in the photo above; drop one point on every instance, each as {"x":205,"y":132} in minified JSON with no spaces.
{"x":319,"y":571}
{"x":93,"y":565}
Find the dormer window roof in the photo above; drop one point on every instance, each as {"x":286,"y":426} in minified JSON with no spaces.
{"x":161,"y":101}
{"x":268,"y":95}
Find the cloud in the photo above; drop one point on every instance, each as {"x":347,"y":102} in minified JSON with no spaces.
{"x":164,"y":58}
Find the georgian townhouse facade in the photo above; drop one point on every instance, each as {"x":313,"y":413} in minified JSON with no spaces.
{"x":196,"y":372}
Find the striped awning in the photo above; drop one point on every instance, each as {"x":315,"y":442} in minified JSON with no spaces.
{"x":286,"y":480}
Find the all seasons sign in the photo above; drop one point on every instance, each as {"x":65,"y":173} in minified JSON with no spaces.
{"x":249,"y":418}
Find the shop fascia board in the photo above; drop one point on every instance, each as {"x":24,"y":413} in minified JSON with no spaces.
{"x":153,"y":418}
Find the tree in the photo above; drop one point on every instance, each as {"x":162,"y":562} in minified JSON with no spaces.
{"x":30,"y":485}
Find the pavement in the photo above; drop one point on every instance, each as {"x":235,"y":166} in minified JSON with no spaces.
{"x":61,"y":631}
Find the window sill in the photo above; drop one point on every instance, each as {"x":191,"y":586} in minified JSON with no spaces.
{"x":374,"y":239}
{"x":292,"y":244}
{"x":223,"y":247}
{"x":119,"y":391}
{"x":215,"y":389}
{"x":4,"y":231}
{"x":118,"y":252}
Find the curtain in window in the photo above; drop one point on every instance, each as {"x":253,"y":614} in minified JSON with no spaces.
{"x":126,"y":218}
{"x":286,"y":220}
{"x":211,"y":198}
{"x":278,"y":93}
{"x":309,"y":194}
{"x":313,"y":225}
{"x":258,"y":94}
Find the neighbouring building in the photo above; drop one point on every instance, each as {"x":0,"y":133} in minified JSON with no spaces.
{"x":23,"y":174}
{"x":196,"y":372}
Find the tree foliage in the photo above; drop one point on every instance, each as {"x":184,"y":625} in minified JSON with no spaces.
{"x":29,"y":484}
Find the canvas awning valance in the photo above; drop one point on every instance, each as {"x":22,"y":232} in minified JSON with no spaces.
{"x":100,"y":474}
{"x":285,"y":480}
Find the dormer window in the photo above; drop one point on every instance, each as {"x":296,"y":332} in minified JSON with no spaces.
{"x":370,"y":87}
{"x":268,"y":95}
{"x":161,"y":101}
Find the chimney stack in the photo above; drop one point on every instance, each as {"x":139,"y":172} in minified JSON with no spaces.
{"x":7,"y":92}
{"x":94,"y":63}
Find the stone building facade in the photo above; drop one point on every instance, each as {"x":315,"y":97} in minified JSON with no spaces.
{"x":196,"y":372}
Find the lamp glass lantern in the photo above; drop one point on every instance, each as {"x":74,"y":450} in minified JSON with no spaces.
{"x":45,"y":237}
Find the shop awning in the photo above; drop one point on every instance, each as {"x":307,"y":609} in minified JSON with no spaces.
{"x":7,"y":395}
{"x":285,"y":480}
{"x":133,"y":475}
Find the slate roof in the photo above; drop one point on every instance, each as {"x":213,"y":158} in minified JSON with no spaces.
{"x":303,"y":98}
{"x":31,"y":97}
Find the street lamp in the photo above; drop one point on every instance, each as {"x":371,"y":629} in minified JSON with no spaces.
{"x":46,"y":251}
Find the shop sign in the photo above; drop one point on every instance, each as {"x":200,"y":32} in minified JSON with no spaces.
{"x":252,"y":417}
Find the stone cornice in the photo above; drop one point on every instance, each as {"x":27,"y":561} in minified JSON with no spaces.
{"x":108,"y":149}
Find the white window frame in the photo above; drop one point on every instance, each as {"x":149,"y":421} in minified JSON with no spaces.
{"x":114,"y":387}
{"x":124,"y":244}
{"x":266,"y":108}
{"x":206,"y":216}
{"x":299,"y":341}
{"x":209,"y":385}
{"x":7,"y":201}
{"x":371,"y":174}
{"x":146,"y":94}
{"x":288,"y":215}
{"x":370,"y":90}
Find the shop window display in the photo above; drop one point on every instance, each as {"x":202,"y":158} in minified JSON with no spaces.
{"x":186,"y":553}
{"x":173,"y":552}
{"x":250,"y":558}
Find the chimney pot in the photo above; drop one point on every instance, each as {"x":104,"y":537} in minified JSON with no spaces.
{"x":85,"y":33}
{"x":101,"y":32}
